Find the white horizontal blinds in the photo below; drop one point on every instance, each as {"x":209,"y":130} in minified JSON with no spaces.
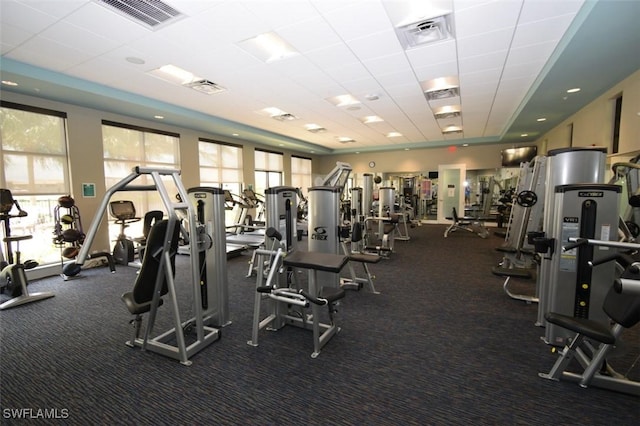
{"x":269,"y":166}
{"x":33,"y":155}
{"x":301,"y":176}
{"x":125,"y":147}
{"x":220,"y":164}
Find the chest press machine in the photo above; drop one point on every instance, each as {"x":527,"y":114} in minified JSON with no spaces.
{"x":202,"y":209}
{"x":285,"y":302}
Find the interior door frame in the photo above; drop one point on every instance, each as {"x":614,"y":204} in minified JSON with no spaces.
{"x":444,"y":191}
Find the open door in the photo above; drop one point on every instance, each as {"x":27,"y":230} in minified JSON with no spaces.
{"x":450,"y":190}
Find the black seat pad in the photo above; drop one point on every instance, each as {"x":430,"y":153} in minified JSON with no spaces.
{"x":592,"y":329}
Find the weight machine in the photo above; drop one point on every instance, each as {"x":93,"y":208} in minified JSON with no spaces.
{"x":592,"y":342}
{"x":205,"y":287}
{"x":566,"y":167}
{"x":525,"y":217}
{"x":286,"y":304}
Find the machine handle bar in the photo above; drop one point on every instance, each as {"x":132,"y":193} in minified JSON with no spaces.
{"x":627,"y":286}
{"x":576,"y":243}
{"x":312,"y":299}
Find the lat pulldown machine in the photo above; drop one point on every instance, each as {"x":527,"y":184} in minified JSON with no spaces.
{"x":209,"y":289}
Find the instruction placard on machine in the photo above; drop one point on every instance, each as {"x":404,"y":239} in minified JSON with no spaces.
{"x":570,"y":229}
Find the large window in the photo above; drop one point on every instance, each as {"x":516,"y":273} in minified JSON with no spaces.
{"x":33,"y":154}
{"x":269,"y":167}
{"x":301,"y":173}
{"x":124,"y":148}
{"x":221,"y":167}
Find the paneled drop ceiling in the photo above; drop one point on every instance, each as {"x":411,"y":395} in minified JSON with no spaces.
{"x":356,"y":75}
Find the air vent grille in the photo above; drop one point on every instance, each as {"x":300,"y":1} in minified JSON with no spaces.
{"x":317,"y":130}
{"x":205,"y":86}
{"x":284,"y":117}
{"x":425,"y":31}
{"x":150,"y":13}
{"x":449,"y":92}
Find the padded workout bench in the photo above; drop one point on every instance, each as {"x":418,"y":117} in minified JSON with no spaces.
{"x":471,"y":224}
{"x":287,"y":297}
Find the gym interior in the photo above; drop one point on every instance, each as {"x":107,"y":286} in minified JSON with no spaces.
{"x":206,"y":266}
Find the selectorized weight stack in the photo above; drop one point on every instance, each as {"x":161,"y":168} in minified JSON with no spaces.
{"x":565,"y":166}
{"x":281,"y":210}
{"x":324,"y":218}
{"x":587,"y":211}
{"x":209,"y":208}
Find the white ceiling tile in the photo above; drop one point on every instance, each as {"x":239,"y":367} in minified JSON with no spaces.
{"x":543,"y":9}
{"x":485,"y":43}
{"x":540,"y":31}
{"x":396,"y":78}
{"x":332,"y":56}
{"x":84,"y":41}
{"x":437,"y":71}
{"x":348,"y":21}
{"x":486,"y":17}
{"x":57,"y":8}
{"x":309,"y":34}
{"x":25,"y":17}
{"x":42,"y":52}
{"x":102,"y":21}
{"x":377,"y":45}
{"x":12,"y":36}
{"x":489,"y":61}
{"x":280,"y":13}
{"x":436,"y":53}
{"x":393,"y":63}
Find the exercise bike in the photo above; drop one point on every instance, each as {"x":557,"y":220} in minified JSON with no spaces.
{"x":125,"y":213}
{"x":13,"y":277}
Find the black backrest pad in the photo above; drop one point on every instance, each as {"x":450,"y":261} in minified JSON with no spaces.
{"x":623,"y":308}
{"x":146,"y":279}
{"x":6,"y":201}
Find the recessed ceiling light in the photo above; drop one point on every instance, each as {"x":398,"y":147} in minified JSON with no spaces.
{"x":173,"y":74}
{"x":406,"y":149}
{"x":452,"y":129}
{"x":9,"y":83}
{"x":393,"y":134}
{"x":134,"y":60}
{"x":441,"y":88}
{"x":235,"y":134}
{"x":315,"y":128}
{"x":524,"y":135}
{"x":465,"y":144}
{"x":371,"y":119}
{"x":372,"y":97}
{"x":345,"y":139}
{"x":159,"y":117}
{"x":574,"y":90}
{"x":541,"y":119}
{"x":268,"y":47}
{"x":343,"y":100}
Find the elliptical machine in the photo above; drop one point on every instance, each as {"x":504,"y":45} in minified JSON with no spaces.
{"x":12,"y":275}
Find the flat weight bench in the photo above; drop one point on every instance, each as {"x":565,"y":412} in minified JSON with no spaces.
{"x":474,"y":225}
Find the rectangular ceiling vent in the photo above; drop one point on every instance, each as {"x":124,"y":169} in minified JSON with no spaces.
{"x":205,"y":86}
{"x":449,"y":111}
{"x":317,"y":129}
{"x":425,"y":31}
{"x":284,"y":117}
{"x":449,"y":92}
{"x":152,"y":14}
